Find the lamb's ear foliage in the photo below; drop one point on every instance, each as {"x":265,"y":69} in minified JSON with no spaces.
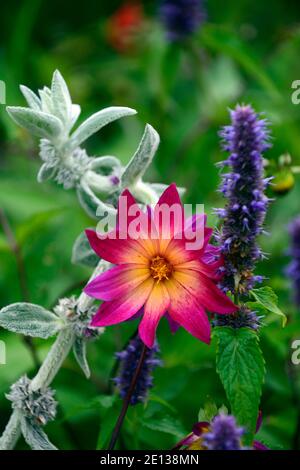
{"x":98,"y":182}
{"x":142,"y":158}
{"x":79,"y":350}
{"x":30,"y":320}
{"x":34,"y":435}
{"x":82,"y":252}
{"x":38,"y":123}
{"x":95,"y":122}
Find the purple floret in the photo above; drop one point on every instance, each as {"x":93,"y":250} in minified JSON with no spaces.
{"x":244,"y":188}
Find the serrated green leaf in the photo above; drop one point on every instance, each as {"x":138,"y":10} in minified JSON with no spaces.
{"x":82,"y":252}
{"x":209,"y":411}
{"x":30,"y":320}
{"x":266,"y":297}
{"x":39,"y":123}
{"x":240,"y":365}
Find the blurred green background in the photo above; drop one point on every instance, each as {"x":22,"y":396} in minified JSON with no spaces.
{"x":244,"y":52}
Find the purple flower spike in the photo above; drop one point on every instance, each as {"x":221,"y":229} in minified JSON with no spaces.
{"x":129,"y":359}
{"x":224,"y":434}
{"x":293,"y":270}
{"x":181,"y":17}
{"x":243,"y":318}
{"x":243,"y":216}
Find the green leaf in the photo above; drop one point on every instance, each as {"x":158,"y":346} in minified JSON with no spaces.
{"x":156,"y":399}
{"x":266,"y":297}
{"x":240,"y":365}
{"x":209,"y":411}
{"x":38,"y":123}
{"x":82,"y":252}
{"x":79,"y":350}
{"x":165,"y":424}
{"x":108,"y":416}
{"x":30,"y":320}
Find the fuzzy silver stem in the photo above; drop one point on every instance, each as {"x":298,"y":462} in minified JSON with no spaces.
{"x":12,"y":432}
{"x":51,"y":365}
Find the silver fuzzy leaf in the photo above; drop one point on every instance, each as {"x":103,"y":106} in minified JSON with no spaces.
{"x":39,"y":123}
{"x":35,"y":437}
{"x":95,"y":122}
{"x":142,"y":157}
{"x":82,"y":252}
{"x":30,"y":320}
{"x":79,"y":351}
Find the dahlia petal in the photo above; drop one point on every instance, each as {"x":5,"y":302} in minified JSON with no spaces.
{"x":136,"y":224}
{"x":195,"y":233}
{"x":197,"y":265}
{"x":177,"y":253}
{"x":170,"y":196}
{"x":172,"y":324}
{"x":117,"y":311}
{"x":185,"y":310}
{"x":127,"y":210}
{"x":168,"y":213}
{"x":155,"y":307}
{"x":117,"y":250}
{"x":195,"y":220}
{"x":205,"y":291}
{"x":117,"y":281}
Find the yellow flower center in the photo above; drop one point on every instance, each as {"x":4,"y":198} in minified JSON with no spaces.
{"x":160,"y":268}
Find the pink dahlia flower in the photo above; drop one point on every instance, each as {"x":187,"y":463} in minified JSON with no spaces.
{"x":157,"y":272}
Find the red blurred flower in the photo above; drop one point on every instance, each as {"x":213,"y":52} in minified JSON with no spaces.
{"x":124,"y":25}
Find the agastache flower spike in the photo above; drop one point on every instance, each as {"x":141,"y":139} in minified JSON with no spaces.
{"x":181,"y":18}
{"x":224,"y":434}
{"x":243,"y":216}
{"x":221,"y":433}
{"x":129,"y":359}
{"x":243,"y":318}
{"x":156,"y":274}
{"x":294,"y":267}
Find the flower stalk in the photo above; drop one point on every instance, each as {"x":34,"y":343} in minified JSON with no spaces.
{"x":127,"y":399}
{"x":11,"y":433}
